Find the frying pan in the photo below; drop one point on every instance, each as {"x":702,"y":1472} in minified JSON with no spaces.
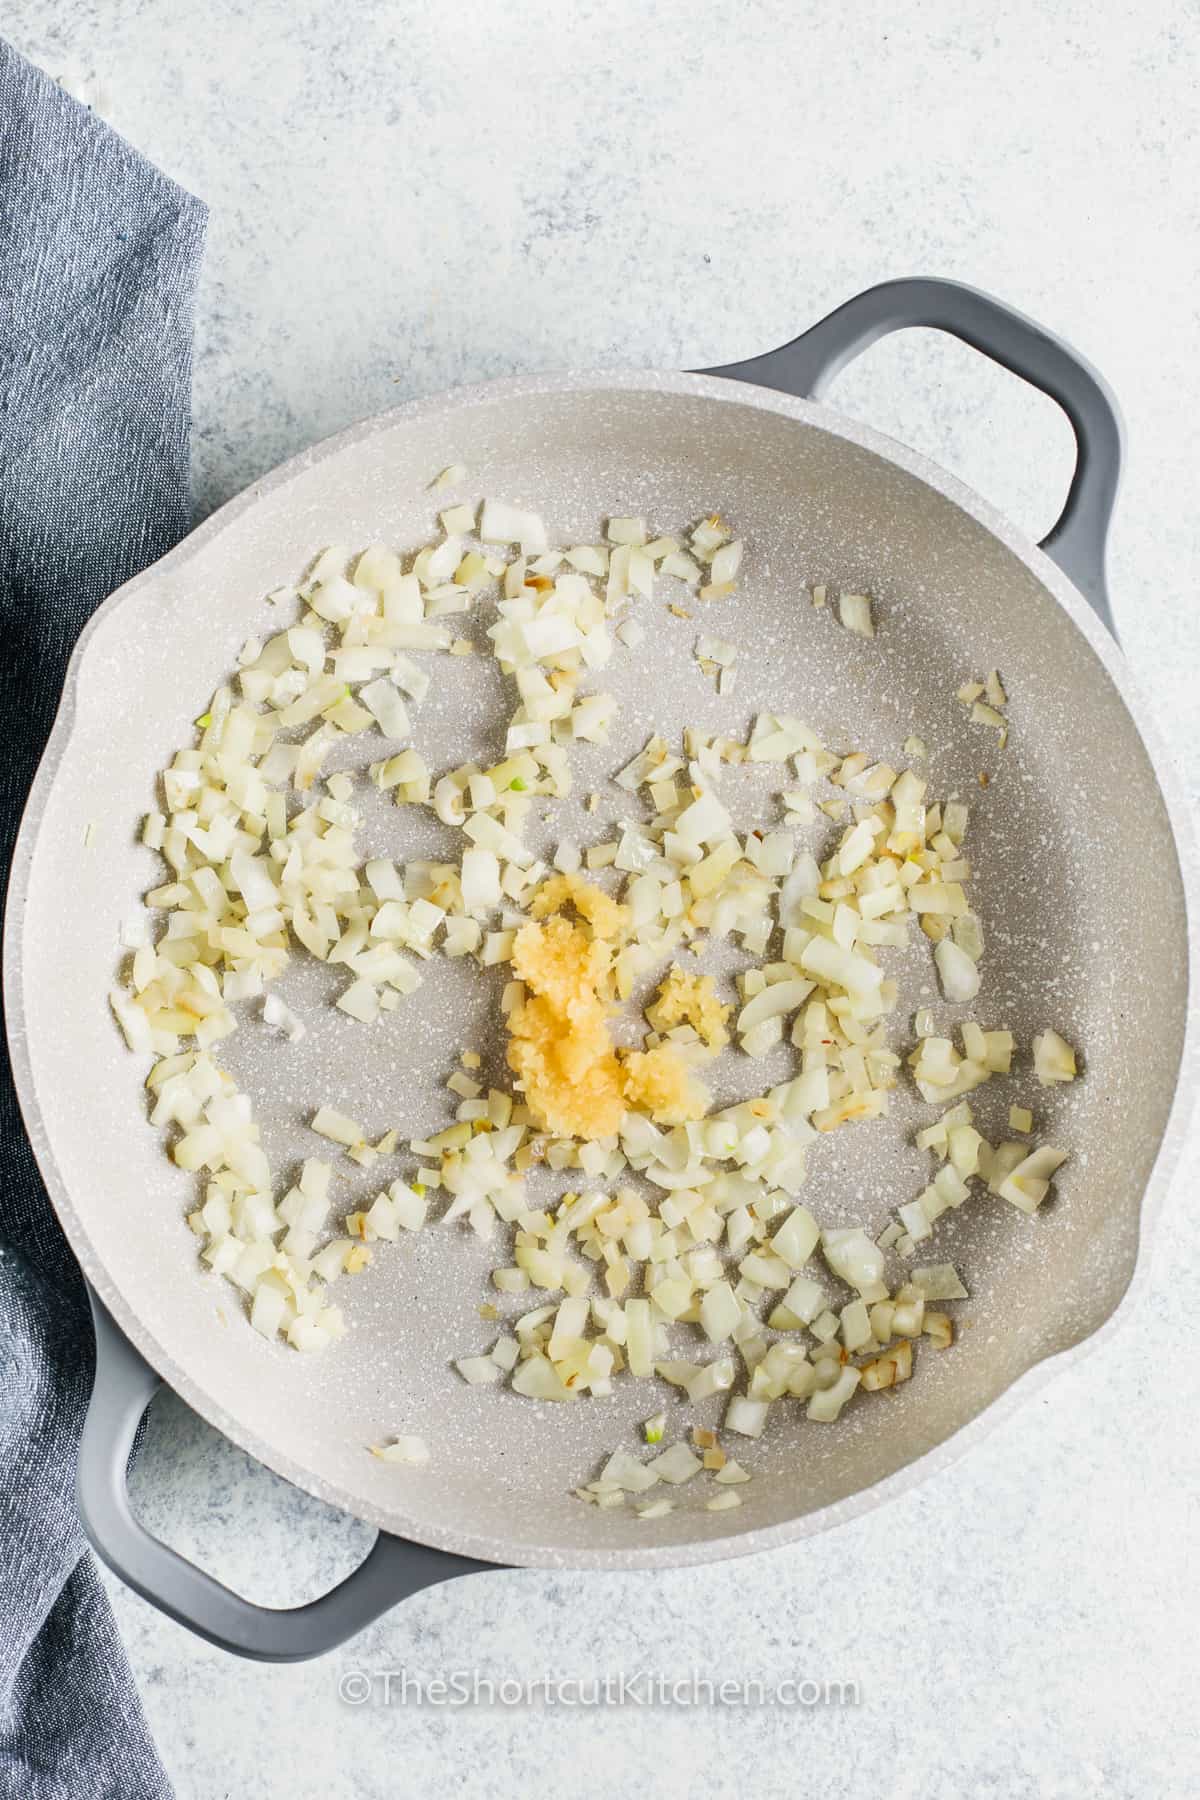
{"x":1079,"y":850}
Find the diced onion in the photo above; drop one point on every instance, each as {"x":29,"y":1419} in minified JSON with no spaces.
{"x":409,"y":1452}
{"x":960,"y":976}
{"x":676,"y":1224}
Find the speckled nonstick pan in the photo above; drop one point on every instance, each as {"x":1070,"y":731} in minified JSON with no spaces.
{"x":1080,"y":882}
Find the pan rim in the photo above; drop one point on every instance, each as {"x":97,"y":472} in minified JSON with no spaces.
{"x":489,"y":1548}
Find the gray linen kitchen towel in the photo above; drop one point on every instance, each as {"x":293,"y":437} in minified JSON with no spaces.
{"x":98,"y":261}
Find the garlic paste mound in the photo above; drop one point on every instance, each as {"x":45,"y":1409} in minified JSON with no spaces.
{"x":560,"y":1040}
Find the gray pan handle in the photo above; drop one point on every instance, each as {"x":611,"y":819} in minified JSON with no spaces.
{"x":393,"y":1569}
{"x":808,"y":365}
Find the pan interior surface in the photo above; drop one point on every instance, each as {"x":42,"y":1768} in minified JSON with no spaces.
{"x":1076,"y":882}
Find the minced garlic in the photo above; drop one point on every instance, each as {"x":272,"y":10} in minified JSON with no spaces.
{"x":660,"y":1083}
{"x":605,"y":916}
{"x":690,"y":1000}
{"x":559,"y":1042}
{"x":560,"y":1045}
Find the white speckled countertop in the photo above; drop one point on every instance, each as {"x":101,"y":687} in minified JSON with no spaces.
{"x":404,"y":197}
